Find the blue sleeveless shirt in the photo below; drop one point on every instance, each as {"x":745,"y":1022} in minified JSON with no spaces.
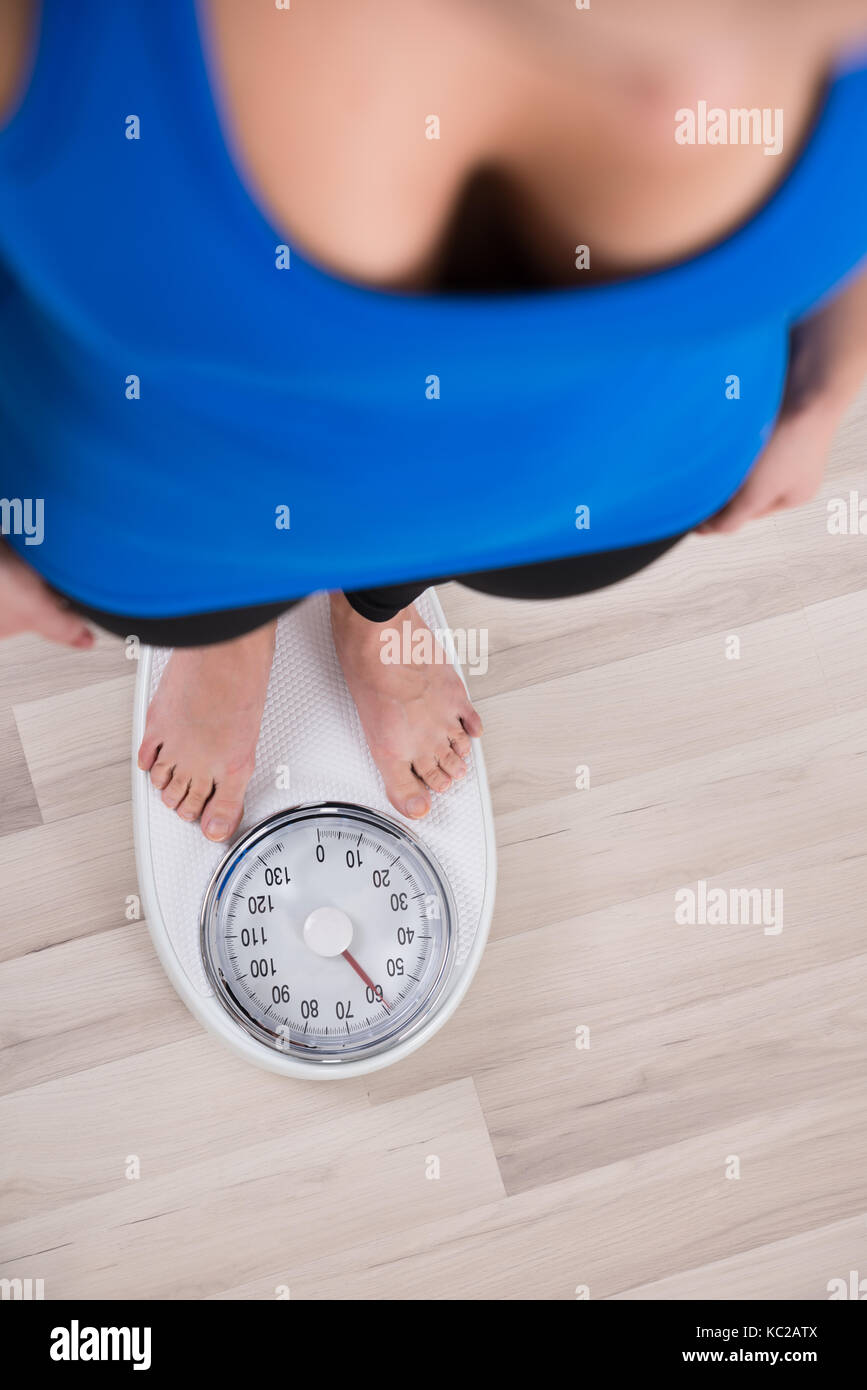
{"x":211,"y":420}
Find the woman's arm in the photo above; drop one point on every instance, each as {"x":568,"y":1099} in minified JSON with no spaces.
{"x":827,"y":368}
{"x":16,"y":23}
{"x":829,"y":354}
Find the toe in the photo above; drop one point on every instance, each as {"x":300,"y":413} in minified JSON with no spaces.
{"x":451,"y":763}
{"x":471,"y":722}
{"x":461,"y":744}
{"x":161,"y":774}
{"x":177,"y":789}
{"x":224,"y":810}
{"x":193,"y":803}
{"x":147,"y":753}
{"x":404,"y":790}
{"x":433,"y":775}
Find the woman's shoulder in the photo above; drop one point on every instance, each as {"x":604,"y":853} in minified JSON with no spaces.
{"x":18,"y":19}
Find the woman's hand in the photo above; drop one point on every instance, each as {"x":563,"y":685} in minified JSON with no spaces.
{"x":787,"y":473}
{"x":28,"y":605}
{"x":827,"y":367}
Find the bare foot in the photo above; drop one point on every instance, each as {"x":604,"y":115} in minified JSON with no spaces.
{"x":202,"y":728}
{"x":417,"y":718}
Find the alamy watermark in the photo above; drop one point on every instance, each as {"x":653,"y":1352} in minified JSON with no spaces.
{"x":722,"y":907}
{"x":77,"y":1343}
{"x":854,"y":1287}
{"x":740,"y":125}
{"x":23,"y":1290}
{"x":847,"y":516}
{"x":23,"y":516}
{"x":409,"y":645}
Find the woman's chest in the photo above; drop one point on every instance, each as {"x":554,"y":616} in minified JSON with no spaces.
{"x":411,"y":161}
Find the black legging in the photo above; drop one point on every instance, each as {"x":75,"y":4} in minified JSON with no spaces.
{"x":577,"y":574}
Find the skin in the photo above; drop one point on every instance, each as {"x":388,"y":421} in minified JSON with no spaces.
{"x":575,"y":111}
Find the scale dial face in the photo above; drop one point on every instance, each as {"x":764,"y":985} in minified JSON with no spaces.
{"x":329,"y":932}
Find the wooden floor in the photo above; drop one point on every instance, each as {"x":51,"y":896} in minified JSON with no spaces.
{"x":712,"y":1049}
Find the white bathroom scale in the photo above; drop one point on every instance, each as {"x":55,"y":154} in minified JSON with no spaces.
{"x":333,"y":936}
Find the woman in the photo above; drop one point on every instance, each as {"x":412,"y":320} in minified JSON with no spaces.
{"x":360,"y":296}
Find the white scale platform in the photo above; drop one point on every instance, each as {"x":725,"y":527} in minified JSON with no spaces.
{"x":312,"y":728}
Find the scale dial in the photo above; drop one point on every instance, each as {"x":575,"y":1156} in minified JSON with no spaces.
{"x":329,"y":932}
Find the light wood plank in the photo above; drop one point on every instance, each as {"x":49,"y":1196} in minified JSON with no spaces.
{"x":78,"y":747}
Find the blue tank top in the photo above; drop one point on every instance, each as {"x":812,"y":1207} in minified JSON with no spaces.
{"x":212,"y":420}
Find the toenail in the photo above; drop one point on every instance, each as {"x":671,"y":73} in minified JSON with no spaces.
{"x":416,"y":806}
{"x":216,"y":829}
{"x":186,"y":815}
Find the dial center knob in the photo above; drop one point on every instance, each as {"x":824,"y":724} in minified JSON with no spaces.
{"x":328,"y":931}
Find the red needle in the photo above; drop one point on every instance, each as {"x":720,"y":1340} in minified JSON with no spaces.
{"x":365,"y":977}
